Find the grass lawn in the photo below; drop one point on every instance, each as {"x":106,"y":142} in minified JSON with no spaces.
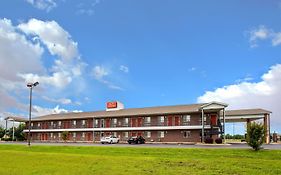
{"x":19,"y":159}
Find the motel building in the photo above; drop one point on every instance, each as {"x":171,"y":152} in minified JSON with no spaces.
{"x":179,"y":124}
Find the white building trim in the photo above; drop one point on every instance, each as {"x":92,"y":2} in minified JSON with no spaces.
{"x":241,"y":117}
{"x":150,"y":128}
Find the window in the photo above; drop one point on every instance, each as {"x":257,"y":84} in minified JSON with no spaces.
{"x":102,"y":123}
{"x":83,"y":134}
{"x":186,"y":119}
{"x":126,"y":134}
{"x":83,"y":122}
{"x":186,"y":134}
{"x":51,"y":135}
{"x":147,"y":134}
{"x":114,"y":134}
{"x":59,"y":123}
{"x":74,"y":122}
{"x":59,"y":135}
{"x":161,"y":134}
{"x":31,"y":124}
{"x":74,"y":134}
{"x":52,"y":123}
{"x":126,"y":121}
{"x":96,"y":122}
{"x":147,"y":119}
{"x":205,"y":119}
{"x":161,"y":119}
{"x":114,"y":122}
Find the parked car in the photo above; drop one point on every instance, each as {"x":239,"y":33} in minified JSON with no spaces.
{"x":136,"y":140}
{"x":109,"y":139}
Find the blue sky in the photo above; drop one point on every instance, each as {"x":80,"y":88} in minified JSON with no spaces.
{"x":142,"y":53}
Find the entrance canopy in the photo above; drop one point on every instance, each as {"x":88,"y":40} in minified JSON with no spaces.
{"x":17,"y":119}
{"x":245,"y":115}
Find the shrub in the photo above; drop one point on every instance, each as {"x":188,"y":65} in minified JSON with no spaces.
{"x":255,"y":135}
{"x":209,"y":140}
{"x":218,"y":141}
{"x":64,"y":135}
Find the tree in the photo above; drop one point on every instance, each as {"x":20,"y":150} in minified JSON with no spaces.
{"x":255,"y":135}
{"x":19,"y":135}
{"x":18,"y":132}
{"x":2,"y":132}
{"x":64,"y":135}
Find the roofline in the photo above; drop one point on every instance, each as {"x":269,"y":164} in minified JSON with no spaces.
{"x":214,"y":102}
{"x":265,"y":112}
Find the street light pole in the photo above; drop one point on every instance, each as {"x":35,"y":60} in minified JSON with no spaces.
{"x":30,"y":85}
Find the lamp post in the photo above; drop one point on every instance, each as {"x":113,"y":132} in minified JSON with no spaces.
{"x":30,"y":86}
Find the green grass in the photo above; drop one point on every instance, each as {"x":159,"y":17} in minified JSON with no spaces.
{"x":20,"y":159}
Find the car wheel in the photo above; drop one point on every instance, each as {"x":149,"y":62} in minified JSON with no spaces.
{"x":117,"y":141}
{"x":110,"y":142}
{"x":102,"y":143}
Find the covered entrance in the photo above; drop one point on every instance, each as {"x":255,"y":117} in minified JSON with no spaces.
{"x":250,"y":115}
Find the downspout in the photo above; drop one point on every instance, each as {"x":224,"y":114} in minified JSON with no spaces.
{"x":202,"y":120}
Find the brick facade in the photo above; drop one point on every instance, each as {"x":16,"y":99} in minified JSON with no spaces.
{"x":54,"y":128}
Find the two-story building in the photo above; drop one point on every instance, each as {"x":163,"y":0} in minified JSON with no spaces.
{"x":180,"y":123}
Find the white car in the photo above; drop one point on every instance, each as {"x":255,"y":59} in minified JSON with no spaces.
{"x":109,"y":139}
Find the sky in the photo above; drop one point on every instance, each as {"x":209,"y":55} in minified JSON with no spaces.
{"x":142,"y":53}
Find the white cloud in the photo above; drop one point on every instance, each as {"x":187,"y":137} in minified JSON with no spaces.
{"x":43,"y":4}
{"x":276,"y":39}
{"x":260,"y":33}
{"x":21,"y":61}
{"x":124,"y":68}
{"x":17,"y":54}
{"x":57,"y":40}
{"x":263,"y":94}
{"x":264,"y":33}
{"x":58,"y":79}
{"x":59,"y":43}
{"x":99,"y":73}
{"x":40,"y":111}
{"x":87,"y":9}
{"x":64,"y":101}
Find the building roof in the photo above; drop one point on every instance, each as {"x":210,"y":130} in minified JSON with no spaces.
{"x":243,"y":112}
{"x":147,"y":111}
{"x":18,"y":119}
{"x":161,"y":110}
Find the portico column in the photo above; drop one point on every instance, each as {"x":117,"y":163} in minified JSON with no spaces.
{"x":202,"y":119}
{"x":6,"y":128}
{"x":13,"y":129}
{"x":248,"y":122}
{"x":223,"y":125}
{"x":266,"y":128}
{"x":94,"y":125}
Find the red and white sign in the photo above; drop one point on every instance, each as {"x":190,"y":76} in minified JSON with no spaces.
{"x":114,"y":105}
{"x":110,"y":105}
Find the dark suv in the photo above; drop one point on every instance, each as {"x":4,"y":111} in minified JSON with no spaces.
{"x":136,"y":140}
